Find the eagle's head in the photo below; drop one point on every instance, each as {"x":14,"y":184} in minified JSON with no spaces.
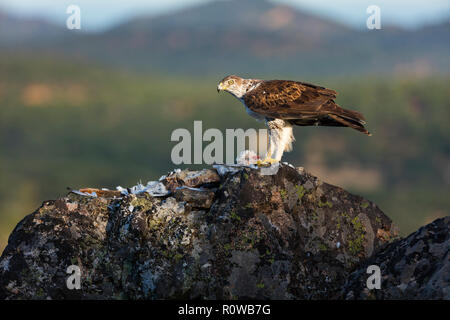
{"x":237,"y":86}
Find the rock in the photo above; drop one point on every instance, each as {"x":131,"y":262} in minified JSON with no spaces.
{"x":197,"y":198}
{"x":416,"y":267}
{"x":241,"y":234}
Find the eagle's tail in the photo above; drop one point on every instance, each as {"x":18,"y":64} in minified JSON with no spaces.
{"x":351,"y":119}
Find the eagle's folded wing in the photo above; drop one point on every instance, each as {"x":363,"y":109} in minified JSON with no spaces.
{"x":287,"y":99}
{"x":294,"y":100}
{"x":301,"y":104}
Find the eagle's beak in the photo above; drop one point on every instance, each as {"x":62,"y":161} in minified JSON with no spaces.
{"x":220,"y":87}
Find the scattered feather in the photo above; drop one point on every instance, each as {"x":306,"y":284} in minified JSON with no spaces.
{"x":86,"y":194}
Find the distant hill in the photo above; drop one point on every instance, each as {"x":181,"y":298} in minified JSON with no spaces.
{"x":255,"y":37}
{"x":24,"y":31}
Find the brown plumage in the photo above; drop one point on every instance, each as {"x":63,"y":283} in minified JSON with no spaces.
{"x":302,"y":104}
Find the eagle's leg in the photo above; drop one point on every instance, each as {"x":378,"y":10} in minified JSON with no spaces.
{"x":280,"y":140}
{"x":283,"y":138}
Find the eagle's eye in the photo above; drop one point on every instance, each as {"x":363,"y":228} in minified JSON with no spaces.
{"x":230,"y":82}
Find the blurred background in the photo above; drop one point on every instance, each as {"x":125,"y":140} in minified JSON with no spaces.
{"x":95,"y":107}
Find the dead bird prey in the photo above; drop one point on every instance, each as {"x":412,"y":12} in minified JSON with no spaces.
{"x":284,"y":103}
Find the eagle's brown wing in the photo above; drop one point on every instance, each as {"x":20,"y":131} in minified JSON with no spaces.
{"x":302,"y":104}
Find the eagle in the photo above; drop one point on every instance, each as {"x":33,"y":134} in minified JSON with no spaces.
{"x":281,"y":104}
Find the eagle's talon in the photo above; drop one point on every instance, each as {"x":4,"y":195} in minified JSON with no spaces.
{"x":266,"y":162}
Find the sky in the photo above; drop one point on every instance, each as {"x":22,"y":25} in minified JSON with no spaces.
{"x":98,"y":15}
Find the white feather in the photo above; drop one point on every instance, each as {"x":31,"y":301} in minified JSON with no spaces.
{"x":280,"y":138}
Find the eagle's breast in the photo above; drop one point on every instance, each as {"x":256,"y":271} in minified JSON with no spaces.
{"x":251,"y":113}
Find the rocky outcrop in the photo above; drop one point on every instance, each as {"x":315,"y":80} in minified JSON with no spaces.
{"x":230,"y":233}
{"x":417,"y":267}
